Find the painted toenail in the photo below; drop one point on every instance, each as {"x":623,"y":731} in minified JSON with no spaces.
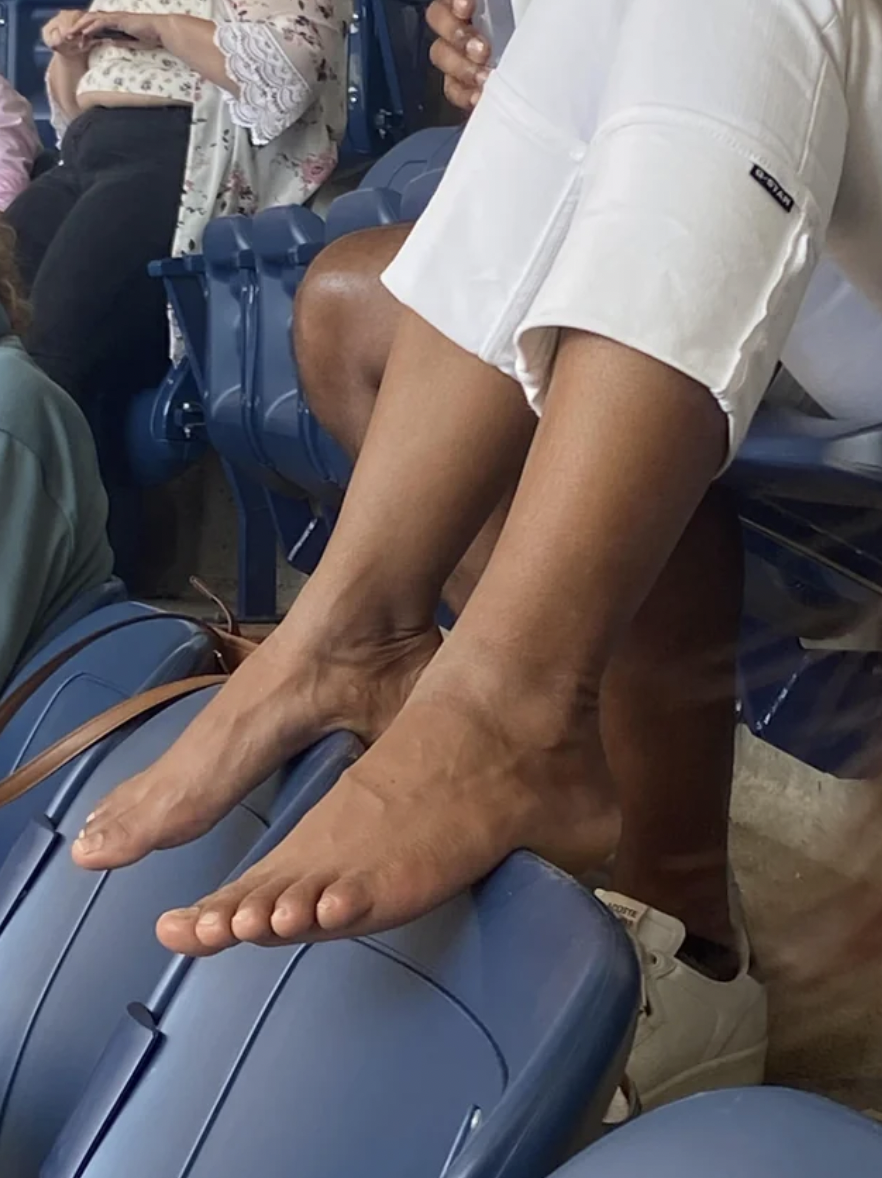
{"x":90,"y":842}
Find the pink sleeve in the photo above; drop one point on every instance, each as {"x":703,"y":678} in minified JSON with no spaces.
{"x":19,"y":143}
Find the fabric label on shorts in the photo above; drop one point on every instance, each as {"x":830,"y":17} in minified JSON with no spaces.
{"x":774,"y":189}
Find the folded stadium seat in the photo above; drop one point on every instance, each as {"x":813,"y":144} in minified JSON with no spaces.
{"x":388,"y":63}
{"x":290,"y":440}
{"x":378,"y":198}
{"x":185,"y":289}
{"x":75,"y":946}
{"x":474,"y":1043}
{"x":753,"y":1133}
{"x":153,"y":649}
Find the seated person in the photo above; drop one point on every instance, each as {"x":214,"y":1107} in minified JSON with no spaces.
{"x":189,"y":117}
{"x":620,"y":248}
{"x":19,"y":143}
{"x":53,"y":545}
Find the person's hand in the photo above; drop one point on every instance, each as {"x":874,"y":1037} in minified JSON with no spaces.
{"x":145,"y":29}
{"x":460,"y":53}
{"x":59,"y":35}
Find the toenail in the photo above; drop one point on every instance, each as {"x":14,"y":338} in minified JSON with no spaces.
{"x":90,"y":842}
{"x":182,"y":913}
{"x":208,"y":918}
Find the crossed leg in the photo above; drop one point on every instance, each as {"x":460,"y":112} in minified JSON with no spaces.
{"x":667,"y":700}
{"x":498,"y":745}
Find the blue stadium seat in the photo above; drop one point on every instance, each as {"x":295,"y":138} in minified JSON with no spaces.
{"x":378,"y":199}
{"x":388,"y":62}
{"x":148,"y":653}
{"x":75,"y":946}
{"x":267,"y":508}
{"x":755,"y":1133}
{"x":287,"y":474}
{"x":289,"y":439}
{"x":109,"y":592}
{"x":471,"y":1044}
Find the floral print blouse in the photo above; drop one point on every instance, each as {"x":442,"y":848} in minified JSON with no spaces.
{"x":275,"y":143}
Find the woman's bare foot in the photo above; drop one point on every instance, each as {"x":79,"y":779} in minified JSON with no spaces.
{"x":323,"y":670}
{"x":459,"y":781}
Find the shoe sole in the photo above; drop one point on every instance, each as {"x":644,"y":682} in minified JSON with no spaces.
{"x":745,"y":1069}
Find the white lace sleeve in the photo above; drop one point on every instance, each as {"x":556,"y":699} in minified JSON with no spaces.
{"x":281,"y":63}
{"x":58,"y":120}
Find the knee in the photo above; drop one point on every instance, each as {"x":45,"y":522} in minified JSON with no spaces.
{"x":344,"y":322}
{"x":329,"y":333}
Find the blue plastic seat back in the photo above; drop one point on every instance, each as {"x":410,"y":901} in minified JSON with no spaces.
{"x":796,"y":456}
{"x":291,"y":440}
{"x":469,"y":1043}
{"x":75,"y":946}
{"x":109,"y":592}
{"x":25,"y":58}
{"x":378,"y":199}
{"x":756,"y":1133}
{"x":232,"y":308}
{"x":388,"y":63}
{"x":113,"y":668}
{"x":187,"y":293}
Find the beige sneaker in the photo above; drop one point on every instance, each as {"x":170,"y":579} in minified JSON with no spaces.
{"x":694,"y":1034}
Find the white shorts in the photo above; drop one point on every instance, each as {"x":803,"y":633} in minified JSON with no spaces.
{"x":658,"y":172}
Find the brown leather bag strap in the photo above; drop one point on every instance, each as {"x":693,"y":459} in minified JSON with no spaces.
{"x":63,"y":751}
{"x":230,"y":649}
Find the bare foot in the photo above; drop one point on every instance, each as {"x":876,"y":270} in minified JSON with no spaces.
{"x":315,"y":675}
{"x":453,"y":787}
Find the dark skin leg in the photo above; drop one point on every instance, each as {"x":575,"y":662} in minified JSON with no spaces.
{"x":571,"y":824}
{"x":668,"y":697}
{"x":498,"y":745}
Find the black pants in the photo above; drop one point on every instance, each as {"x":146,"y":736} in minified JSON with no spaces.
{"x":86,"y":232}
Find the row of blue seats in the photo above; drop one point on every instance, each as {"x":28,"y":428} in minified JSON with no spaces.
{"x":480,"y":1042}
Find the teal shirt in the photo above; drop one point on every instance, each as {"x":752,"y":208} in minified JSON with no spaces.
{"x":53,"y":509}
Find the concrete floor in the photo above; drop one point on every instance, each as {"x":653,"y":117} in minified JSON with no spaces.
{"x":785,"y":820}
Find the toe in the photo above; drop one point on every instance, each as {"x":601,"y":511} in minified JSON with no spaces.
{"x":206,"y":927}
{"x":294,"y":916}
{"x":343,"y":905}
{"x":105,"y":842}
{"x":176,"y":930}
{"x":252,"y":919}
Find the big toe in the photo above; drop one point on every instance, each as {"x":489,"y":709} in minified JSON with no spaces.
{"x":201,"y":930}
{"x":109,"y":840}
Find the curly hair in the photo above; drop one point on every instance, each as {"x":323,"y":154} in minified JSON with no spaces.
{"x":11,"y":297}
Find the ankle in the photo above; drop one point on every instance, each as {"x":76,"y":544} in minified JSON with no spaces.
{"x":695,"y":889}
{"x":361,"y":611}
{"x":549,"y":708}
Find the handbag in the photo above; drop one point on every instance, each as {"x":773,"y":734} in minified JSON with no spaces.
{"x":230,"y":649}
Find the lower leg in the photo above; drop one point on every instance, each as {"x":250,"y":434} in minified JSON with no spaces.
{"x":362,"y":629}
{"x":668,"y":696}
{"x":668,"y":721}
{"x":498,"y":745}
{"x":343,"y":298}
